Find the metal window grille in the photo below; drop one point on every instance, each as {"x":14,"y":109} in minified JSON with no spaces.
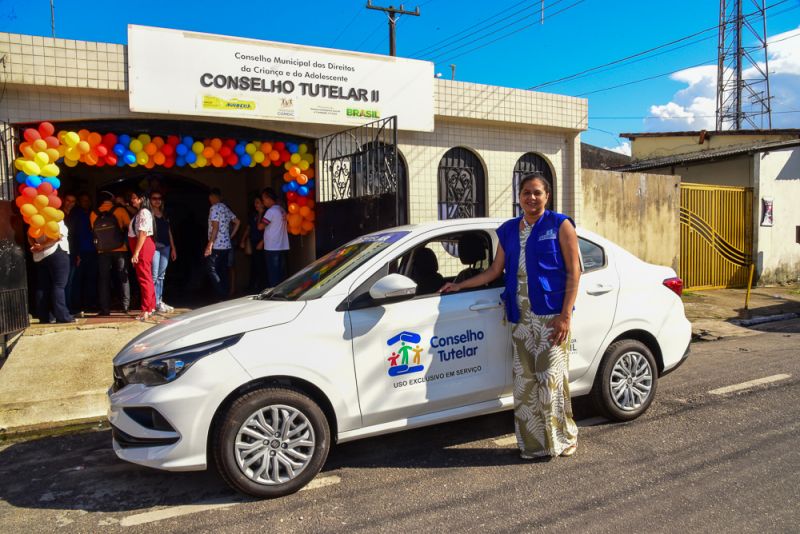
{"x":527,"y":164}
{"x":462,"y":185}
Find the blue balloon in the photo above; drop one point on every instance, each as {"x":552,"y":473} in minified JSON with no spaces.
{"x":181,"y":149}
{"x":239,"y":149}
{"x":119,"y":149}
{"x":190,"y":157}
{"x":285,"y":188}
{"x":302,"y":191}
{"x":180,"y":161}
{"x":292,"y":186}
{"x":124,"y":139}
{"x":52,"y":180}
{"x":120,"y":162}
{"x":310,"y":184}
{"x":188,"y":141}
{"x":291,"y":147}
{"x":237,"y":166}
{"x":245,"y":160}
{"x":21,"y":177}
{"x":129,"y":157}
{"x":33,"y":181}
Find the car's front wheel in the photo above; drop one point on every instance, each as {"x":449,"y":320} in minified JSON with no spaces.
{"x":271,"y":442}
{"x":626,"y":380}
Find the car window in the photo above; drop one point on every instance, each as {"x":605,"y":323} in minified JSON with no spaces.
{"x":593,"y":256}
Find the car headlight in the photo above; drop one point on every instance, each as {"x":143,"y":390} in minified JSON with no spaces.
{"x":164,"y":368}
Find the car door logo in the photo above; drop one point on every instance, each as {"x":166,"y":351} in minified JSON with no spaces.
{"x":405,"y":358}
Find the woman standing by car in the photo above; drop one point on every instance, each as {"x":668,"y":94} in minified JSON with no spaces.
{"x":165,"y":249}
{"x":252,"y":243}
{"x":539,"y":255}
{"x":140,"y":238}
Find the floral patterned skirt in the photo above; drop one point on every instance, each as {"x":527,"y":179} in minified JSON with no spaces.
{"x":543,"y":420}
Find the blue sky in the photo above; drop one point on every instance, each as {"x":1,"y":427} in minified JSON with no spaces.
{"x":576,"y":35}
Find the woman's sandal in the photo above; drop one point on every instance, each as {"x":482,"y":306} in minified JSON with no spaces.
{"x":569,"y":451}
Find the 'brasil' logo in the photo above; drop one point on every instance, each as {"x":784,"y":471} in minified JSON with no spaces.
{"x":402,"y":353}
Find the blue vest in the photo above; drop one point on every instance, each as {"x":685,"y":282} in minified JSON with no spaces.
{"x":547,"y":274}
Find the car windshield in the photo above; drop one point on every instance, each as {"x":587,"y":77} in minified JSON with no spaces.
{"x":316,"y":279}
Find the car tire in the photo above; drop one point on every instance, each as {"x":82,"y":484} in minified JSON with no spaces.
{"x":271,"y":442}
{"x":626,"y":381}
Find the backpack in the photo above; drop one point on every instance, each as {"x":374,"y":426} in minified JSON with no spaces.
{"x":108,"y":236}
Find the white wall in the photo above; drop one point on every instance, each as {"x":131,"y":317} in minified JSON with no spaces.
{"x":779,"y":179}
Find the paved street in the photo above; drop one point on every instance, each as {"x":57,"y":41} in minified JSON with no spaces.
{"x":706,"y":457}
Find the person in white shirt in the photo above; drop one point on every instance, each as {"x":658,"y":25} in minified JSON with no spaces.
{"x":143,"y":247}
{"x":276,"y":237}
{"x":219,"y":249}
{"x":52,"y":265}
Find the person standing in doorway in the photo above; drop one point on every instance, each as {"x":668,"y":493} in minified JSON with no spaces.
{"x":539,"y":254}
{"x":52,"y":267}
{"x":86,"y":262}
{"x":165,"y":249}
{"x":276,"y":237}
{"x":109,"y":223}
{"x":71,"y":215}
{"x":252,"y":242}
{"x":140,"y":239}
{"x":219,"y":249}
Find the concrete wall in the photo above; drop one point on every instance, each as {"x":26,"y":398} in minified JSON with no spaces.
{"x":660,"y":146}
{"x":640,"y":212}
{"x":779,"y":179}
{"x":736,"y":172}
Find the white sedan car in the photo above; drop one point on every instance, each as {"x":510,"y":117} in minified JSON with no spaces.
{"x":360,"y":343}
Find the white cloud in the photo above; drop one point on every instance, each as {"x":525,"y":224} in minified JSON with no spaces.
{"x":623,"y":148}
{"x":694,"y":107}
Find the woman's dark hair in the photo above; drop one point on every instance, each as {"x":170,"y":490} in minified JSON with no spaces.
{"x":145,"y":200}
{"x":535,"y":175}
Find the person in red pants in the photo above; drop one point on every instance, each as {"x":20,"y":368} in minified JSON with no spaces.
{"x":140,"y":238}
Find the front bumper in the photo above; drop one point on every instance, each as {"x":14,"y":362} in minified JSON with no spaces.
{"x":184,"y":408}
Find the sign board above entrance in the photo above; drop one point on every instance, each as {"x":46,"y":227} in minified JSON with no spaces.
{"x":187,"y":73}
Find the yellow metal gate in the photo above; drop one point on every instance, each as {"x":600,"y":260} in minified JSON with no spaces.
{"x":716,"y":235}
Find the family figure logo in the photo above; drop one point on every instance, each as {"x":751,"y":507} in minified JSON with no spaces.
{"x":403,"y":353}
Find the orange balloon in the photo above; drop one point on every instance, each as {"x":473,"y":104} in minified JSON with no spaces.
{"x":310,"y":203}
{"x":150,"y":164}
{"x":150,"y":148}
{"x":159,"y":142}
{"x":209,"y":152}
{"x":35,"y":232}
{"x":293,"y":207}
{"x":311,"y":215}
{"x":294,"y":171}
{"x":90,"y":159}
{"x":287,"y":177}
{"x":94,"y":138}
{"x":307,"y":226}
{"x":309,"y":172}
{"x":159,"y":158}
{"x":40,"y":145}
{"x":304,"y":211}
{"x":302,"y":179}
{"x":294,"y":219}
{"x":216,"y":144}
{"x":83,"y":134}
{"x":217,"y":161}
{"x":267,"y":162}
{"x":274,"y":155}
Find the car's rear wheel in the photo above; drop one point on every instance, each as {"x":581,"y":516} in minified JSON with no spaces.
{"x":626,"y":380}
{"x":271,"y":442}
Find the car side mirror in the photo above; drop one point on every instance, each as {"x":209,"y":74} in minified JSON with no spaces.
{"x":393,"y":286}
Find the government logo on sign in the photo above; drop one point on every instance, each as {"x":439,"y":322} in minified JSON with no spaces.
{"x":406,"y":352}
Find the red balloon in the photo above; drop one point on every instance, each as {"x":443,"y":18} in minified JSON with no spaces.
{"x":230,"y":143}
{"x":45,"y":188}
{"x":109,"y":140}
{"x":278,"y":146}
{"x":173,"y":141}
{"x":301,"y":201}
{"x":111,"y":158}
{"x":225,"y":151}
{"x":168,"y":150}
{"x":54,"y":201}
{"x":232,"y":159}
{"x":21,"y":201}
{"x":30,"y":193}
{"x":31,"y":135}
{"x":100,"y":162}
{"x":101,"y":151}
{"x":52,"y":142}
{"x":46,"y":129}
{"x":21,"y":188}
{"x":285,"y":156}
{"x":169,"y":162}
{"x":291,"y":196}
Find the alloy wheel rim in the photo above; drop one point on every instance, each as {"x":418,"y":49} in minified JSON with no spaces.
{"x":274,"y":445}
{"x":631,"y":381}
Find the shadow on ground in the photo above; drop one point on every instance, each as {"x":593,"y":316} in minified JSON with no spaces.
{"x":81,"y":472}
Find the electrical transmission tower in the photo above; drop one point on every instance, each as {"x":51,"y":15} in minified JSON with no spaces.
{"x":743,"y":98}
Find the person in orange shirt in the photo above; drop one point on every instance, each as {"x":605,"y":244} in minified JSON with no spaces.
{"x":109,"y":227}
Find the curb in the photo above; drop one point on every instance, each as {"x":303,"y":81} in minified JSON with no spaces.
{"x":765,"y":319}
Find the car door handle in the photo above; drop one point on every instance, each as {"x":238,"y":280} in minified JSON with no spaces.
{"x":485,"y":306}
{"x":600,"y":289}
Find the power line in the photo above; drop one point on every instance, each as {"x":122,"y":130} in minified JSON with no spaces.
{"x":346,"y":27}
{"x":450,"y":58}
{"x":676,"y":118}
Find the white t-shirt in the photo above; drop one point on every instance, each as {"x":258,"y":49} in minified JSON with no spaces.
{"x":224,"y":216}
{"x":63,"y":243}
{"x":141,"y":222}
{"x":275,"y":235}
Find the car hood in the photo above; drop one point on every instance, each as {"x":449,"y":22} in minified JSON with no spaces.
{"x":206,"y":324}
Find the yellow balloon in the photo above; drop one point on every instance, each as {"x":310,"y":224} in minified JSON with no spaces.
{"x":71,"y":139}
{"x":59,"y":216}
{"x":28,"y":210}
{"x":50,"y":170}
{"x":303,"y":165}
{"x":295,"y":158}
{"x":37,"y":221}
{"x":70,"y":162}
{"x":136,"y":146}
{"x":309,"y":158}
{"x":73,"y":153}
{"x":258,"y":156}
{"x":52,"y":230}
{"x":41,"y":201}
{"x":250,"y":148}
{"x":84,"y":147}
{"x":19,"y":162}
{"x":141,"y":157}
{"x":49,"y":213}
{"x":31,"y":168}
{"x":52,"y":155}
{"x":201,"y":160}
{"x":303,"y":148}
{"x":41,"y":159}
{"x":40,"y":145}
{"x":197,"y":148}
{"x":144,"y":139}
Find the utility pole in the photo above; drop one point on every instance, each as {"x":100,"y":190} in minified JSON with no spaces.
{"x":53,"y":19}
{"x":392,"y":14}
